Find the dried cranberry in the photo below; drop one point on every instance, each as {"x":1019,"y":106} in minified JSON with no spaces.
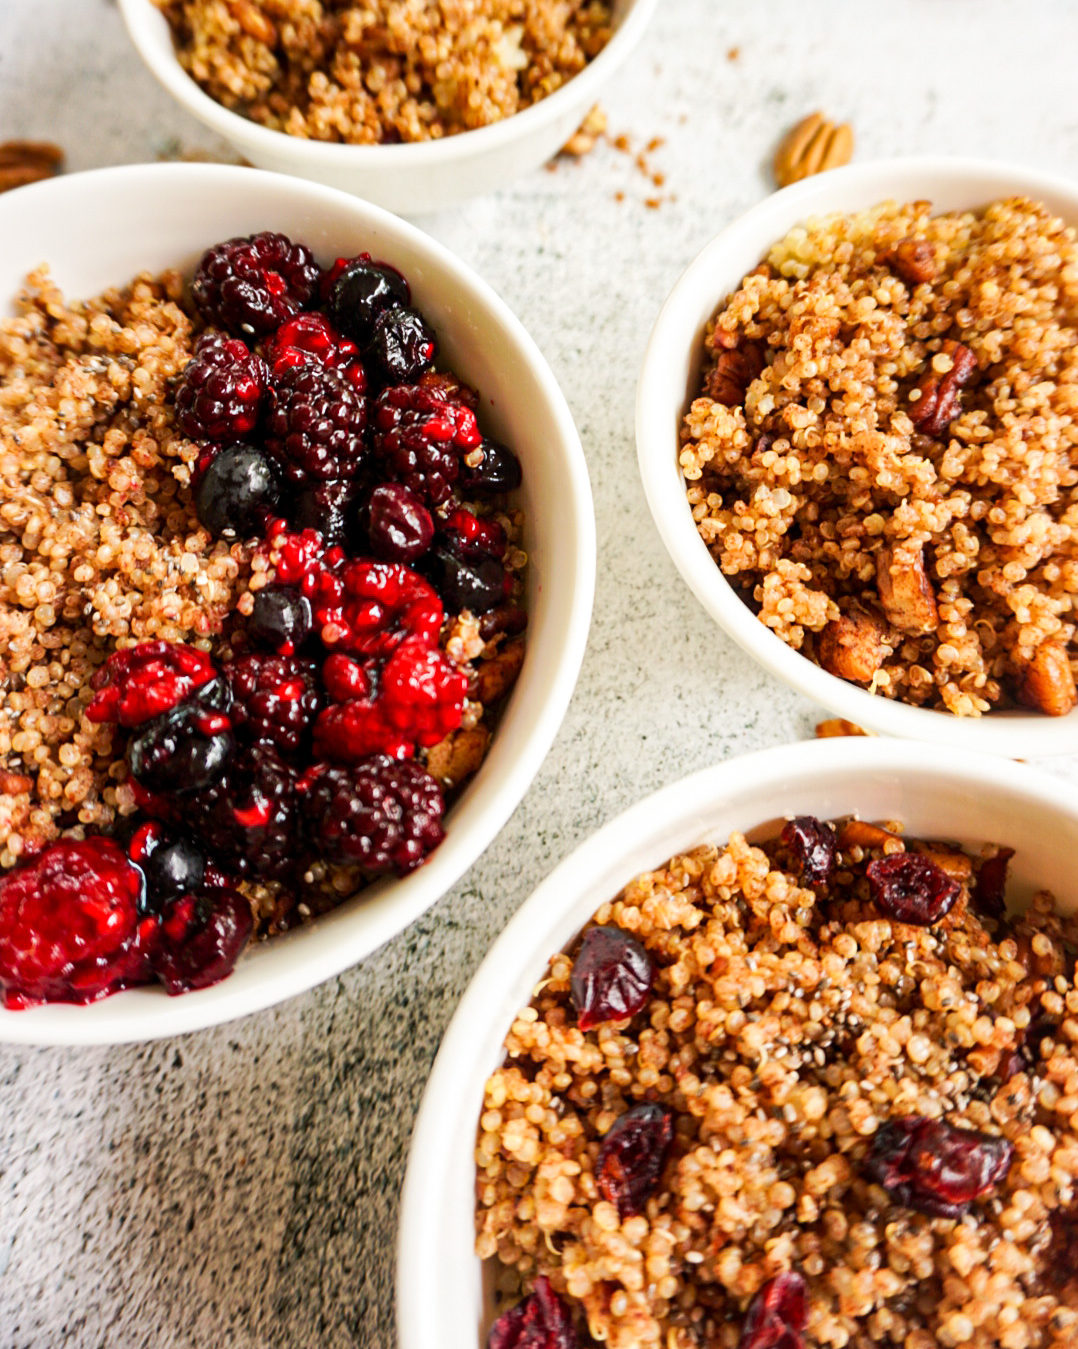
{"x":777,"y":1315}
{"x":936,"y":1167}
{"x":812,"y":843}
{"x":541,"y":1321}
{"x":611,"y":977}
{"x":632,"y":1156}
{"x":911,"y":888}
{"x":991,"y":883}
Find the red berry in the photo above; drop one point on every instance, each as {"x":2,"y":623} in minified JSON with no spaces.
{"x":69,"y":924}
{"x":812,"y":844}
{"x":989,"y":890}
{"x":200,"y":938}
{"x":422,"y":693}
{"x":254,"y":284}
{"x":274,"y":699}
{"x":911,"y":888}
{"x":541,"y":1321}
{"x":220,"y":393}
{"x":419,"y":433}
{"x":777,"y":1315}
{"x":312,"y":338}
{"x":140,"y":682}
{"x":611,"y":978}
{"x":345,"y":678}
{"x":371,"y":607}
{"x":474,"y":536}
{"x":350,"y":731}
{"x":632,"y":1156}
{"x":936,"y":1167}
{"x":380,"y":814}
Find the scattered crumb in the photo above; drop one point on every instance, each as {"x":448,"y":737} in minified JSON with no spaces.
{"x":733,"y":53}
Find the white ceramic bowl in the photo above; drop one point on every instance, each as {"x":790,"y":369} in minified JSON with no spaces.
{"x":424,"y":176}
{"x":971,"y":798}
{"x":669,"y":377}
{"x":101,"y":228}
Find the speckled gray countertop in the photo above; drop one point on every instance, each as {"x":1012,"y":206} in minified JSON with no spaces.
{"x":239,"y":1186}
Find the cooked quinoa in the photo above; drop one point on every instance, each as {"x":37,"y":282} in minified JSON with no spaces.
{"x":884,"y":451}
{"x":387,"y":70}
{"x":785,"y":1026}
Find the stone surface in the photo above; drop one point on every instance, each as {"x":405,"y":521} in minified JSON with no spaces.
{"x":239,"y":1187}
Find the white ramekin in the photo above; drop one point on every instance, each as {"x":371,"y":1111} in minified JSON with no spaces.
{"x":424,"y":176}
{"x":665,"y":389}
{"x":100,"y":229}
{"x":962,"y":796}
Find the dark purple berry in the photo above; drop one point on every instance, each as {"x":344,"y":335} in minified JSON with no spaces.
{"x":777,"y":1315}
{"x":936,"y":1167}
{"x":315,"y":423}
{"x":499,"y":471}
{"x":333,"y":509}
{"x":632,"y":1156}
{"x":172,"y":865}
{"x":399,"y":526}
{"x":541,"y":1321}
{"x":186,"y":749}
{"x":274,"y":699}
{"x":611,"y":979}
{"x":911,"y":888}
{"x":1061,"y":1258}
{"x":201,"y":936}
{"x":252,"y":285}
{"x":811,"y":842}
{"x":238,"y":492}
{"x":402,"y":344}
{"x":361,"y":292}
{"x":219,"y":395}
{"x":475,"y":582}
{"x":379,"y":813}
{"x":419,"y":433}
{"x":280,"y":620}
{"x":248,"y":819}
{"x":989,"y":889}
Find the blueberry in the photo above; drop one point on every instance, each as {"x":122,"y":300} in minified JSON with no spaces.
{"x":238,"y":490}
{"x":173,"y":867}
{"x":399,"y":526}
{"x":476,"y":583}
{"x":281,"y":617}
{"x":184,"y":750}
{"x":402,"y":344}
{"x":361,"y":293}
{"x":499,"y":471}
{"x":331,"y":508}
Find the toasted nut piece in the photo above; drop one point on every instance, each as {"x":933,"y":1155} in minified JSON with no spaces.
{"x":734,"y":370}
{"x":812,"y":146}
{"x":496,"y":676}
{"x":905,"y":591}
{"x":14,"y":784}
{"x":583,"y":140}
{"x":956,"y":864}
{"x":852,"y":647}
{"x":861,"y":834}
{"x":253,"y":22}
{"x":836,"y":726}
{"x":454,"y":759}
{"x":19,"y":154}
{"x":1046,"y":681}
{"x":914,"y":260}
{"x":934,"y":398}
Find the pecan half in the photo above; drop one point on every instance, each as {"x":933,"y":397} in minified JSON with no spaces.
{"x":1045,"y":682}
{"x":905,"y":591}
{"x":454,"y":759}
{"x":852,"y":646}
{"x":812,"y":146}
{"x":734,"y":370}
{"x":914,"y":260}
{"x":934,"y":398}
{"x":496,"y":676}
{"x":23,"y":162}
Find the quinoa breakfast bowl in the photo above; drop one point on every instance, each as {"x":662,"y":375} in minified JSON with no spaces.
{"x":549,"y":61}
{"x":194,"y":530}
{"x":903,"y":554}
{"x":812,"y":1098}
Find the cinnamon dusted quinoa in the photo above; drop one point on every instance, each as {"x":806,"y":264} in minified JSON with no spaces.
{"x":894,"y":491}
{"x":388,"y":70}
{"x":784,"y":1027}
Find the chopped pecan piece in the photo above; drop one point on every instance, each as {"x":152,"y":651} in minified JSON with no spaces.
{"x":734,"y":370}
{"x":1046,"y":682}
{"x":905,"y":591}
{"x":496,"y":676}
{"x":837,"y":726}
{"x":934,"y":398}
{"x":812,"y":146}
{"x":852,"y":646}
{"x":861,"y":834}
{"x":23,"y":162}
{"x":455,"y":759}
{"x":914,"y":260}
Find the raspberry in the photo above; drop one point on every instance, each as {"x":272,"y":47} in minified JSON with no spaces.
{"x":142,"y":682}
{"x":380,"y":814}
{"x":247,"y":818}
{"x":274,"y":699}
{"x":186,"y":749}
{"x":474,"y":537}
{"x":69,"y":925}
{"x":315,"y":423}
{"x":371,"y":607}
{"x":350,"y":731}
{"x":220,"y":393}
{"x":254,"y":284}
{"x":422,"y":693}
{"x":312,"y":339}
{"x":419,"y":435}
{"x":201,"y":935}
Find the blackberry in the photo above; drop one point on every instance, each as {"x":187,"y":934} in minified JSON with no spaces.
{"x":274,"y":699}
{"x":219,"y":396}
{"x":280,"y":619}
{"x":402,"y":344}
{"x":362,"y":291}
{"x":171,"y":864}
{"x":315,"y":423}
{"x":381,"y":814}
{"x":399,"y":526}
{"x":497,"y":472}
{"x":202,"y":933}
{"x":237,"y":493}
{"x":186,"y":749}
{"x":254,"y":284}
{"x":333,"y":509}
{"x":419,"y":436}
{"x":247,"y":818}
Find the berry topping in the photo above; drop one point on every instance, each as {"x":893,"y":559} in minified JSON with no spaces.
{"x":248,"y":818}
{"x":185,"y":749}
{"x":811,"y":843}
{"x":989,"y":890}
{"x":541,"y":1321}
{"x":399,"y":526}
{"x":381,"y":814}
{"x":274,"y":699}
{"x":777,"y":1315}
{"x":315,"y":423}
{"x":419,"y":435}
{"x":252,"y":285}
{"x":220,"y":392}
{"x":936,"y":1167}
{"x":332,"y":508}
{"x":280,"y":619}
{"x":171,"y":865}
{"x":422,"y":693}
{"x":360,"y":292}
{"x":402,"y":344}
{"x":632,"y":1156}
{"x":611,"y":977}
{"x":345,"y":678}
{"x":473,"y":537}
{"x":312,"y":338}
{"x":467,"y":579}
{"x":350,"y":731}
{"x":69,"y":924}
{"x":201,"y":935}
{"x":238,"y":492}
{"x":911,"y":888}
{"x":141,"y":682}
{"x":498,"y":471}
{"x":371,"y":607}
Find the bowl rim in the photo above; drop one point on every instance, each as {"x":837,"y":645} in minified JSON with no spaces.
{"x":1013,"y":733}
{"x":428,"y":1193}
{"x":145,"y":1013}
{"x":335,"y":155}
